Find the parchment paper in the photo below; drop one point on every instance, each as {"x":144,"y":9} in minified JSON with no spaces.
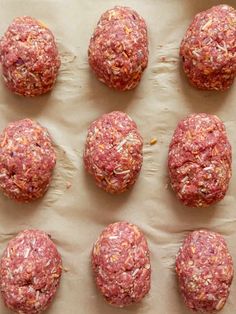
{"x":75,"y":216}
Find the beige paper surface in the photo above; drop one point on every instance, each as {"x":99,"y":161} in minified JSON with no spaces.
{"x":76,"y":216}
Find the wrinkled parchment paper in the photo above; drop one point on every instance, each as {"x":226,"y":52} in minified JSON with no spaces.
{"x":75,"y":216}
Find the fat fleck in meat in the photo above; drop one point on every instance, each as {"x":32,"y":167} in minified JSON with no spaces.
{"x":118,"y":50}
{"x":29,"y":57}
{"x":208,"y":49}
{"x":27,"y":160}
{"x":200,"y":160}
{"x":113,"y":152}
{"x":121,"y":264}
{"x":205,"y":271}
{"x":30,"y":271}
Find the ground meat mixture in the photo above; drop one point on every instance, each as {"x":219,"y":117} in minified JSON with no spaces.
{"x":27,"y":160}
{"x":30,"y":271}
{"x":200,"y":160}
{"x":121,"y":264}
{"x":29,"y":57}
{"x":113,"y":152}
{"x":205,"y":271}
{"x":209,"y":49}
{"x":118,"y":50}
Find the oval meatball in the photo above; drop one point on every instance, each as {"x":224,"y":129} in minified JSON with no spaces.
{"x":200,"y":160}
{"x":30,"y":271}
{"x":121,"y":264}
{"x":205,"y":271}
{"x":29,"y":57}
{"x":208,"y":49}
{"x":118,"y":50}
{"x":27,"y":160}
{"x":113,"y":152}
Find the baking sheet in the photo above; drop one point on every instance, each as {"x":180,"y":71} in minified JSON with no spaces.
{"x":75,"y":216}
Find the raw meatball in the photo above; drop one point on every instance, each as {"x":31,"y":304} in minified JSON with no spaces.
{"x":209,"y":49}
{"x":30,"y":271}
{"x":113,"y":152}
{"x":29,"y":57}
{"x":200,"y":160}
{"x":27,"y":160}
{"x":205,"y":271}
{"x":118,"y":50}
{"x":121,"y":264}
